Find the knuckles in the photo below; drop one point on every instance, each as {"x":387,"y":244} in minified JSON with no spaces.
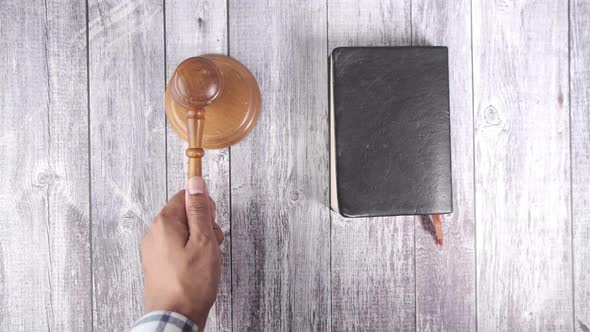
{"x":165,"y":214}
{"x":201,"y":239}
{"x":198,"y":207}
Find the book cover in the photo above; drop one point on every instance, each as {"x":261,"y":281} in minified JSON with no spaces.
{"x":390,"y":146}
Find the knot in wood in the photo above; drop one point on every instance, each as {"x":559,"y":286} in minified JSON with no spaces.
{"x":195,"y":152}
{"x":491,"y":116}
{"x":44,"y":179}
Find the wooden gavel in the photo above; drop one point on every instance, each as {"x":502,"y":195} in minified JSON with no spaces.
{"x":195,"y":84}
{"x":212,"y":101}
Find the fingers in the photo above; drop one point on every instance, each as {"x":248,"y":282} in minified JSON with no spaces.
{"x":216,"y":229}
{"x":198,"y":210}
{"x":218,"y":233}
{"x":174,"y":210}
{"x":170,"y":226}
{"x":213,"y":207}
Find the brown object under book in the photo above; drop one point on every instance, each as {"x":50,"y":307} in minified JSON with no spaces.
{"x":212,"y":101}
{"x":437,"y":222}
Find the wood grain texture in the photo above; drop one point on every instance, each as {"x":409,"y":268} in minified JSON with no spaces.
{"x":195,"y":28}
{"x":445,"y":277}
{"x":281,"y":224}
{"x":524,"y":267}
{"x":580,"y":139}
{"x":44,"y":225}
{"x":373,"y":285}
{"x":128,"y":156}
{"x":279,"y":173}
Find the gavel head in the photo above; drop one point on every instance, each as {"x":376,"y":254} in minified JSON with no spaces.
{"x":196,"y":83}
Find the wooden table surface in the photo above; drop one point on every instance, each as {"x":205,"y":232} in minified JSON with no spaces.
{"x":87,"y":160}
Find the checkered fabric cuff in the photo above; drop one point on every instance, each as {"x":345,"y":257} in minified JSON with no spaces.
{"x":164,"y":321}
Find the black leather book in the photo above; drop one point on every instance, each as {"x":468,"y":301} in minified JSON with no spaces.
{"x":390,"y":145}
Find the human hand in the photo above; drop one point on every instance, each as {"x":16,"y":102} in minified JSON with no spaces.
{"x":180,"y":255}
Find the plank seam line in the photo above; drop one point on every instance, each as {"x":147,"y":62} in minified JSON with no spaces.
{"x":569,"y":76}
{"x":414,"y":219}
{"x":89,"y":169}
{"x":164,"y":115}
{"x":331,"y":323}
{"x":49,"y":310}
{"x":473,"y":124}
{"x":231,"y":254}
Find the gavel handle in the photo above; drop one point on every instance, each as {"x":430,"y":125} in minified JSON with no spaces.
{"x":195,"y":122}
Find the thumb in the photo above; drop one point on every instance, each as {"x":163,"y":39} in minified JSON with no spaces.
{"x":198,"y":211}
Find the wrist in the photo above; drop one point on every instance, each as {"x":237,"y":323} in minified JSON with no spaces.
{"x":197,"y":317}
{"x":168,"y":320}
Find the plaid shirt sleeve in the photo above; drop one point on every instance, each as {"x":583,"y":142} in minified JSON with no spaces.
{"x":164,"y":321}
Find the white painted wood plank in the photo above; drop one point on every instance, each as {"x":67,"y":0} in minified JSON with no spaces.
{"x":373,"y":274}
{"x":279,"y":173}
{"x":445,"y":277}
{"x":44,"y":226}
{"x":195,"y":28}
{"x":580,"y":137}
{"x":128,"y":156}
{"x":522,"y":166}
{"x":373,"y":285}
